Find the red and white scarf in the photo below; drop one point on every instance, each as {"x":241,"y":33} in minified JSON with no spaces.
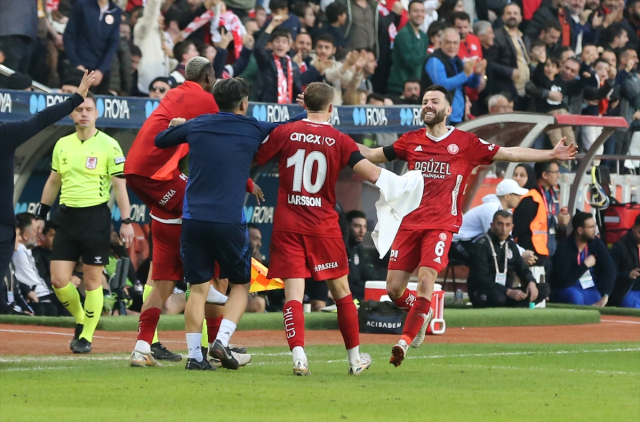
{"x":285,"y":85}
{"x":228,"y":20}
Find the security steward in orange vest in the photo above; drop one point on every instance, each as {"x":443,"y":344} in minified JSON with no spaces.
{"x":538,"y":217}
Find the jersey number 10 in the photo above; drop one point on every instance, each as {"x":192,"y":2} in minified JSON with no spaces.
{"x":303,"y":167}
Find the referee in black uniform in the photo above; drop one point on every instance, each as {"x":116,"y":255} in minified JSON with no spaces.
{"x":12,"y":135}
{"x":84,"y":166}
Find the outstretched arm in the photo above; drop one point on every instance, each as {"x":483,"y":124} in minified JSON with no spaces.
{"x":175,"y":135}
{"x":365,"y":168}
{"x":523,"y":155}
{"x":375,"y":155}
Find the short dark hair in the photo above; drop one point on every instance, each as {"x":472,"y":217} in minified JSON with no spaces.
{"x":442,"y":89}
{"x":318,"y":96}
{"x":412,"y":2}
{"x":326,"y":37}
{"x":352,"y":215}
{"x":135,"y":50}
{"x":434,"y":28}
{"x":334,"y":11}
{"x":555,"y":60}
{"x":599,"y":60}
{"x":461,"y":16}
{"x":537,"y":43}
{"x":413,"y":81}
{"x":299,"y":8}
{"x":180,"y":49}
{"x":580,"y":219}
{"x":48,"y":226}
{"x":503,"y":214}
{"x":278,"y":5}
{"x":229,"y":93}
{"x":614,"y":30}
{"x":280,"y":32}
{"x":92,"y":96}
{"x":552,"y":24}
{"x":374,"y":96}
{"x":253,"y":226}
{"x":25,"y":219}
{"x":543,"y":167}
{"x":306,"y":34}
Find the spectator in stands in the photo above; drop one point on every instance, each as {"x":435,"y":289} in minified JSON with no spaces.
{"x":445,"y":68}
{"x":120,"y":82}
{"x":494,"y":265}
{"x":360,"y":268}
{"x":508,"y":59}
{"x":552,"y":12}
{"x":336,"y":14}
{"x":362,"y":24}
{"x":477,"y":220}
{"x":411,"y":92}
{"x":92,"y":38}
{"x":550,"y":36}
{"x":42,"y":255}
{"x":18,"y":33}
{"x":136,"y":56}
{"x":186,"y":12}
{"x":287,"y":20}
{"x":369,"y":71}
{"x":182,"y":51}
{"x":539,"y":217}
{"x":538,"y":54}
{"x":17,"y":82}
{"x":279,"y":75}
{"x":323,"y":67}
{"x":583,"y":271}
{"x":632,"y":21}
{"x":261,"y":16}
{"x":410,"y":50}
{"x":435,"y":32}
{"x":257,"y":303}
{"x":525,"y":177}
{"x":71,"y":82}
{"x":306,"y":15}
{"x":301,"y":49}
{"x":614,"y":37}
{"x":159,"y":87}
{"x":33,"y":287}
{"x":589,"y":54}
{"x":499,"y":104}
{"x":625,"y":256}
{"x":148,"y":36}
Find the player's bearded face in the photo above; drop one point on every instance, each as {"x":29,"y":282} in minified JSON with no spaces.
{"x":433,"y":116}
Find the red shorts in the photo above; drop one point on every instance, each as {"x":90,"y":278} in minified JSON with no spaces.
{"x":295,"y":255}
{"x":163,"y":197}
{"x":167,"y":261}
{"x":420,"y":248}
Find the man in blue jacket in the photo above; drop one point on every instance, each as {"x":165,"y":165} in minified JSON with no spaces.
{"x":214,"y":227}
{"x":583,"y":271}
{"x":445,"y":68}
{"x":92,"y":38}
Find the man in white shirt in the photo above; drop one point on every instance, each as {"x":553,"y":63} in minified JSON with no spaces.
{"x":34,"y":288}
{"x":477,"y":221}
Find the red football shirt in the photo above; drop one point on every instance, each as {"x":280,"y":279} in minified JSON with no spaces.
{"x":446,"y":164}
{"x":188,"y":100}
{"x":311,"y":156}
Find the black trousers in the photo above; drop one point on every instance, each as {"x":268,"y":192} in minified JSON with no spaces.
{"x":17,"y":50}
{"x":495,"y":298}
{"x":7,"y":245}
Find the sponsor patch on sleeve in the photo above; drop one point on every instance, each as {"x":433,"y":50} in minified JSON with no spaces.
{"x":119,"y":160}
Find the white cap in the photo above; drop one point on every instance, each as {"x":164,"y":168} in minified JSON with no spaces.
{"x":510,"y":186}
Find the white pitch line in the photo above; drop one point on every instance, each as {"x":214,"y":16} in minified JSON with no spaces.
{"x":537,"y":369}
{"x":623,"y":322}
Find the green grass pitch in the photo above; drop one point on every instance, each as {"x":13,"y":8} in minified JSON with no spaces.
{"x":446,"y":382}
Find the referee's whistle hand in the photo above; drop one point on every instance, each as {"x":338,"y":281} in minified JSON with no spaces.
{"x":127,"y":234}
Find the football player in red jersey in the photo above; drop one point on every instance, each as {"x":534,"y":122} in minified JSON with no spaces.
{"x":446,"y":157}
{"x":306,"y":239}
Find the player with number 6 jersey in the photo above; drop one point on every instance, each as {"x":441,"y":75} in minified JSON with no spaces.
{"x":306,"y":239}
{"x":446,"y":157}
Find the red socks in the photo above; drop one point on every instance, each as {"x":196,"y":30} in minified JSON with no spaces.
{"x":348,"y":322}
{"x":147,"y":324}
{"x":294,"y":323}
{"x":406,"y":301}
{"x":415,"y":319}
{"x":213,"y":325}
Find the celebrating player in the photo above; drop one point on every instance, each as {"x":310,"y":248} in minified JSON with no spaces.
{"x":445,"y":156}
{"x":154,"y":175}
{"x":306,"y":239}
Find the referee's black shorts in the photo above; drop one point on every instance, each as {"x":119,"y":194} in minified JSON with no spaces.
{"x":82,"y":232}
{"x":204,"y":243}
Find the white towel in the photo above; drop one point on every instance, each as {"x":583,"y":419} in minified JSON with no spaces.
{"x":399,"y":196}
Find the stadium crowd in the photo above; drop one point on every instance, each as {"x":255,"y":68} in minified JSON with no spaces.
{"x":549,"y":56}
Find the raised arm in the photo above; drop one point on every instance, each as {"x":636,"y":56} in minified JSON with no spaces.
{"x":375,"y":155}
{"x":519,"y":155}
